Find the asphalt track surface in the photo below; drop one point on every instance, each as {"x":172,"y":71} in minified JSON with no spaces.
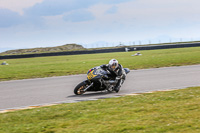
{"x":43,"y":91}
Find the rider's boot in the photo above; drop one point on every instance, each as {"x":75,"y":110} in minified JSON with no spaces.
{"x":118,"y":86}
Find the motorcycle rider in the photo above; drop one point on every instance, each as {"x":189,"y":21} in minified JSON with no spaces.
{"x":116,"y":71}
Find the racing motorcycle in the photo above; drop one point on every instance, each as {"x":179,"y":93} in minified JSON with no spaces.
{"x":99,"y":80}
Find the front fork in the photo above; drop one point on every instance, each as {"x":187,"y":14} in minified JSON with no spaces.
{"x":88,"y":87}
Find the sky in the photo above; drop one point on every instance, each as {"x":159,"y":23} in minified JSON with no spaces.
{"x":96,"y":23}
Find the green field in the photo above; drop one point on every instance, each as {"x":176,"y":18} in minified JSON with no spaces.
{"x":161,"y":112}
{"x":76,"y":64}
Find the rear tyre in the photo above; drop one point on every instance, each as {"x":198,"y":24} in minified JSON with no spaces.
{"x":79,"y":89}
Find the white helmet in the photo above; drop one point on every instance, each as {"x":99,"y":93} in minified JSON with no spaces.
{"x":113,"y":64}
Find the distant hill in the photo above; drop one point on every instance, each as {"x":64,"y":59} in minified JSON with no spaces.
{"x":67,"y":47}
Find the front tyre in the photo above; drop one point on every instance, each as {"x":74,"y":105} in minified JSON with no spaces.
{"x":79,"y":89}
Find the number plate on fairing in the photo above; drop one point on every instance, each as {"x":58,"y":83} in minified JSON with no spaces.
{"x":91,"y":75}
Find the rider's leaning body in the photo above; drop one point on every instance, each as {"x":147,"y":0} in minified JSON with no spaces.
{"x":116,"y":70}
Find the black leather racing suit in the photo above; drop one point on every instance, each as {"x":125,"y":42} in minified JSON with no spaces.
{"x":118,"y":72}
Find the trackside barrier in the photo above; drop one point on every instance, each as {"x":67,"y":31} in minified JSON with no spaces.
{"x":121,"y":49}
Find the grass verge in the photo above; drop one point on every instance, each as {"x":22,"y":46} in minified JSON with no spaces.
{"x":76,"y":64}
{"x":171,"y":112}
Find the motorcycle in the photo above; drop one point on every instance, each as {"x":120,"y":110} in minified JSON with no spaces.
{"x":99,"y":80}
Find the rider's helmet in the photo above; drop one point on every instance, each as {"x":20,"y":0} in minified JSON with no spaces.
{"x":113,"y":64}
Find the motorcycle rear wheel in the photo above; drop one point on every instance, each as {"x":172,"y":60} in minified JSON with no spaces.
{"x":79,"y":89}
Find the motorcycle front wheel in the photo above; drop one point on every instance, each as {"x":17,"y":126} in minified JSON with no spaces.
{"x":79,"y":89}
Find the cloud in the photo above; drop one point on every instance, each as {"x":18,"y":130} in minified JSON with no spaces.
{"x":9,"y":18}
{"x":34,"y":11}
{"x":156,"y":13}
{"x":79,"y":16}
{"x":17,"y":6}
{"x":57,"y":21}
{"x":58,"y":7}
{"x":112,"y":10}
{"x":114,"y":1}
